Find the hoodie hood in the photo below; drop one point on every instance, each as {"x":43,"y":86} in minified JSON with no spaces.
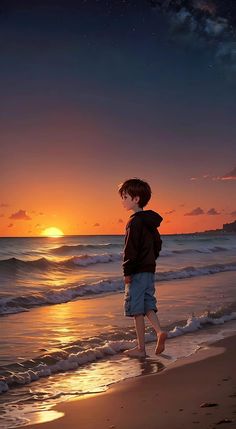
{"x":152,"y":219}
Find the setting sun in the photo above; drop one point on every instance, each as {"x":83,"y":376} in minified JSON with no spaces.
{"x":52,"y":232}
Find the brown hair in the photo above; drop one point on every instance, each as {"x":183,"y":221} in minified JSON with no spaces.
{"x":136,"y":188}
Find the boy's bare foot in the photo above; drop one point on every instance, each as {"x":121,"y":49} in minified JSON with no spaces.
{"x":135,"y":352}
{"x":161,"y":343}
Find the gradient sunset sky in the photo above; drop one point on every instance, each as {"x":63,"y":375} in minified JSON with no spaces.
{"x":96,"y":92}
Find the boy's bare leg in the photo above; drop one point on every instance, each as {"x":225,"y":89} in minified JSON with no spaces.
{"x":151,"y":315}
{"x":161,"y":335}
{"x":138,"y":351}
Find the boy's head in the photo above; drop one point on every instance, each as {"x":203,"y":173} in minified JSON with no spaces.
{"x":136,"y":188}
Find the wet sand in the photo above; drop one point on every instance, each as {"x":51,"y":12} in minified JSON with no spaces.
{"x":195,"y":392}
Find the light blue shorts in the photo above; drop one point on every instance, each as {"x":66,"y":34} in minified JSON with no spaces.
{"x":140,"y":294}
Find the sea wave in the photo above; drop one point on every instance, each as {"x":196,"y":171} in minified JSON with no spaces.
{"x":199,"y":237}
{"x":203,"y":249}
{"x":68,"y":249}
{"x":72,"y":356}
{"x":17,"y":304}
{"x":45,"y":263}
{"x":85,"y":259}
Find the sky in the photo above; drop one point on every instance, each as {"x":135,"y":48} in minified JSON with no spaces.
{"x":97,"y":92}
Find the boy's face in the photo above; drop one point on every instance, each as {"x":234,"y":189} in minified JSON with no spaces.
{"x":128,"y":202}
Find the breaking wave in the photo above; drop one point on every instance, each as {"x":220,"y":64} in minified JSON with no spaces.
{"x":44,"y":263}
{"x":89,"y":259}
{"x":72,"y":355}
{"x":10,"y":305}
{"x":68,"y":249}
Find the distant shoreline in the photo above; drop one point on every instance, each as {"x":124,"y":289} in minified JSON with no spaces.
{"x":211,"y":231}
{"x":227,"y":228}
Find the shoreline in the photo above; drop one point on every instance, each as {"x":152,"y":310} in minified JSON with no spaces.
{"x":210,"y":231}
{"x":171,"y":398}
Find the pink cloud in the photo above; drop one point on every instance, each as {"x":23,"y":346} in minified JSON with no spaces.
{"x":229,"y":176}
{"x":195,"y":212}
{"x":213,"y":212}
{"x":170,"y":211}
{"x":96,"y":224}
{"x":20,"y":215}
{"x":10,"y":225}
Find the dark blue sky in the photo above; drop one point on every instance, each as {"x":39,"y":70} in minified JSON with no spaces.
{"x":118,"y":86}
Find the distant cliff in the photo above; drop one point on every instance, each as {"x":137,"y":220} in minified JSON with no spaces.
{"x":230,"y":227}
{"x":227,"y":227}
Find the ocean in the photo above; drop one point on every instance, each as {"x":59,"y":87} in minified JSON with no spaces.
{"x":62,"y":324}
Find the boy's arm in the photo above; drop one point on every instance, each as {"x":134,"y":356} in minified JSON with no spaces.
{"x":127,"y":279}
{"x":132,"y":242}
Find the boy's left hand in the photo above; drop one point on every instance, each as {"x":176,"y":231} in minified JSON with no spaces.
{"x":127,"y":279}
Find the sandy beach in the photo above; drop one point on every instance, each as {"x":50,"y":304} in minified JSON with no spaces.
{"x":196,"y":391}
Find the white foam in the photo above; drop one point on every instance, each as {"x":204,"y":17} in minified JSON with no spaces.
{"x":57,"y":296}
{"x":192,"y":271}
{"x":70,"y":249}
{"x":203,"y":249}
{"x":71,"y":362}
{"x":84,"y":260}
{"x":195,"y":323}
{"x":109,"y":348}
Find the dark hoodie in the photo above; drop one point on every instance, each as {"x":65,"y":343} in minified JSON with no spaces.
{"x":142,"y":241}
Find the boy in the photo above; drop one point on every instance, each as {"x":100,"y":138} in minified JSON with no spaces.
{"x":142,"y":245}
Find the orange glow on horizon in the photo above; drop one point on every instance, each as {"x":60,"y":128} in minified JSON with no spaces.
{"x":52,"y":232}
{"x":102,"y":214}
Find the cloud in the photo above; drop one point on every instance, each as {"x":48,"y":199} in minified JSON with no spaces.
{"x":233,"y":213}
{"x":120,"y":221}
{"x":215,"y":27}
{"x":10,"y":225}
{"x":205,"y":6}
{"x":204,"y":23}
{"x":228,"y":176}
{"x":96,"y":224}
{"x":2,"y":215}
{"x":226,"y":55}
{"x":20,"y":215}
{"x":212,"y":212}
{"x":183,"y":21}
{"x":4,"y":205}
{"x":195,"y":212}
{"x":38,"y":214}
{"x":205,"y":176}
{"x":170,"y":211}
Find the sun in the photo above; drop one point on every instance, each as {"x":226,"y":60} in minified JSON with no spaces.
{"x":52,"y":232}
